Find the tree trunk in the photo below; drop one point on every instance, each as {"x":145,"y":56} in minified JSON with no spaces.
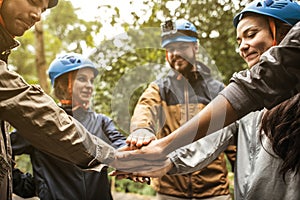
{"x":40,"y":59}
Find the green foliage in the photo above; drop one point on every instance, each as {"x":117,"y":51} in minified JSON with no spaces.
{"x":213,"y":19}
{"x":23,"y":57}
{"x":63,"y":32}
{"x":120,"y":57}
{"x":23,"y":163}
{"x":128,"y":63}
{"x":64,"y":24}
{"x":126,"y":185}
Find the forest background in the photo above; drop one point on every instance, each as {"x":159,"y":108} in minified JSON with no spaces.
{"x":126,"y":51}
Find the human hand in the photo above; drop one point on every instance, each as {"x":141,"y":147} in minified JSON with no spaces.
{"x":143,"y":176}
{"x":137,"y":179}
{"x":139,"y":138}
{"x":146,"y":158}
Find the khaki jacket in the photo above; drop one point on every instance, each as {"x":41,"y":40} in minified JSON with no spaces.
{"x":165,"y":106}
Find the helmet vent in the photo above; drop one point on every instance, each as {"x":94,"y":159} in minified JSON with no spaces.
{"x":287,"y":11}
{"x":278,"y":5}
{"x":187,"y":26}
{"x":269,"y":2}
{"x":64,"y":62}
{"x":72,"y":59}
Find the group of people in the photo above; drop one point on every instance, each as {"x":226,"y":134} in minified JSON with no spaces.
{"x":69,"y":143}
{"x":267,"y":154}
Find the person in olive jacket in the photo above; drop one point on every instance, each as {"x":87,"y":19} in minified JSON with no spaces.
{"x":28,"y":109}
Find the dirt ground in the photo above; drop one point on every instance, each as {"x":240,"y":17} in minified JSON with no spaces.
{"x":116,"y":196}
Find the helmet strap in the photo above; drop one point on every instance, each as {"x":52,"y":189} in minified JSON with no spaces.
{"x":167,"y":56}
{"x":273,"y":30}
{"x":65,"y":102}
{"x":77,"y":105}
{"x":70,"y":84}
{"x":69,"y":91}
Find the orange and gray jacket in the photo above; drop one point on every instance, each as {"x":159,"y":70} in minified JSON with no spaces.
{"x":39,"y":120}
{"x":166,"y":105}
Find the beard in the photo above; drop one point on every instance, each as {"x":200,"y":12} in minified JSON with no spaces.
{"x":181,"y":65}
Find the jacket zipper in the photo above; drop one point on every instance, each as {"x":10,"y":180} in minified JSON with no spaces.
{"x":187,"y":100}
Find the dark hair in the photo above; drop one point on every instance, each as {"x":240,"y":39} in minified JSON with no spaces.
{"x":61,"y":84}
{"x":281,"y":125}
{"x":282,"y":29}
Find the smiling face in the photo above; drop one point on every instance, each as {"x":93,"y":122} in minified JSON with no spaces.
{"x":21,"y":15}
{"x":254,"y":38}
{"x":83,"y":86}
{"x":181,"y":56}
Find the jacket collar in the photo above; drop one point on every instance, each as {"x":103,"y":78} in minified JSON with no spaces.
{"x":7,"y":43}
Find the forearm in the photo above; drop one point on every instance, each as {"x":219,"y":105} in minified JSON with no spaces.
{"x":216,"y":115}
{"x":200,"y":153}
{"x":63,"y":137}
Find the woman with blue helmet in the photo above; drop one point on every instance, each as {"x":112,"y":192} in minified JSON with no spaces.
{"x":262,"y":170}
{"x":72,"y":76}
{"x":63,"y":74}
{"x":267,"y":162}
{"x":281,"y":123}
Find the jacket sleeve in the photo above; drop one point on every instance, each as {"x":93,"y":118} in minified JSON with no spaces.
{"x":47,"y":127}
{"x":23,"y":183}
{"x":274,"y":79}
{"x":147,"y":110}
{"x":19,"y":144}
{"x":202,"y":152}
{"x":115,"y":137}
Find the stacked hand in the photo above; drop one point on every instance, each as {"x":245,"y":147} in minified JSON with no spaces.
{"x":143,"y":157}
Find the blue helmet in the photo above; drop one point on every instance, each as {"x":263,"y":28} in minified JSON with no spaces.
{"x":287,"y":11}
{"x":179,"y":31}
{"x":69,"y":62}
